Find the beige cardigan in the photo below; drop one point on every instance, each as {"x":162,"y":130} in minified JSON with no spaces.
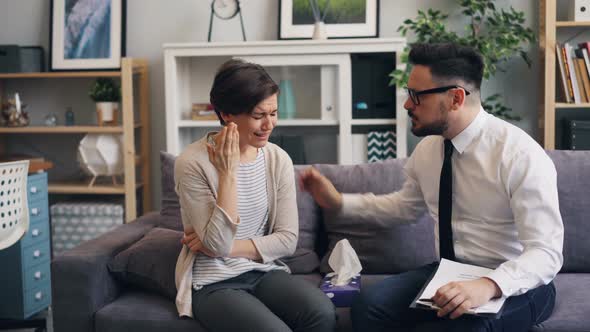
{"x":196,"y":184}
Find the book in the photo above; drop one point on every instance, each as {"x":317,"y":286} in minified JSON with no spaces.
{"x":572,"y":72}
{"x":449,"y":271}
{"x":580,"y":79}
{"x":585,"y":77}
{"x":563,"y":87}
{"x":566,"y":67}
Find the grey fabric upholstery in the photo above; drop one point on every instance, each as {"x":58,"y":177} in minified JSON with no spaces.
{"x":149,"y":263}
{"x":86,"y":297}
{"x":81,"y":284}
{"x":573,"y":183}
{"x":572,"y":308}
{"x":140,"y":311}
{"x":382,"y":247}
{"x":170,"y":205}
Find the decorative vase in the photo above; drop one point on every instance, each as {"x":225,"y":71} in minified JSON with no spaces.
{"x":101,"y":155}
{"x":319,"y":31}
{"x":287,"y":108}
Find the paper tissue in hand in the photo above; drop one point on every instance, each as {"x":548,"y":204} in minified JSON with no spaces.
{"x":344,"y":284}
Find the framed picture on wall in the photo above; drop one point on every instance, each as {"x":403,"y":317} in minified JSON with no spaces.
{"x":87,"y":34}
{"x":343,"y":18}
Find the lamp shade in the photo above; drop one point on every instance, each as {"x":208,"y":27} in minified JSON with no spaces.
{"x":14,"y":210}
{"x":101,"y":154}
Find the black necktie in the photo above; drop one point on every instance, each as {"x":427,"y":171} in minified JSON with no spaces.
{"x":445,"y":205}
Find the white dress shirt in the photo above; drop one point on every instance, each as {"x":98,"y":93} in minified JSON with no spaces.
{"x":505,"y":205}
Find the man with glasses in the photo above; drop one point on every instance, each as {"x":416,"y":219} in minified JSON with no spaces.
{"x":492,"y":191}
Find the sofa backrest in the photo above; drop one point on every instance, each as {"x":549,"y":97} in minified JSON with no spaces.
{"x":573,"y":184}
{"x":383,"y":246}
{"x":396,"y":248}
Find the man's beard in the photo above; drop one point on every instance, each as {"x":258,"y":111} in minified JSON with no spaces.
{"x":436,"y":128}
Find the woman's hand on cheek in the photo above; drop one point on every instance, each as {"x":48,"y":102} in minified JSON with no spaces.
{"x":225,"y":155}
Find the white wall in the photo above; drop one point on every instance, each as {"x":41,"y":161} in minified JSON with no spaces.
{"x":150,"y":23}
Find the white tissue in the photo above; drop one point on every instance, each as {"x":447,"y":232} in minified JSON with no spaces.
{"x":345,"y":263}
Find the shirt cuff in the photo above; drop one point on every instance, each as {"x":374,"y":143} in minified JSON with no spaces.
{"x":351,"y":205}
{"x":504,"y":281}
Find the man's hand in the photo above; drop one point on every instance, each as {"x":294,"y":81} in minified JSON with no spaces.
{"x":458,"y":297}
{"x":320,"y":188}
{"x":192,"y":241}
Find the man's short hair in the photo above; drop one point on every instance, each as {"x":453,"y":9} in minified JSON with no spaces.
{"x":449,"y":61}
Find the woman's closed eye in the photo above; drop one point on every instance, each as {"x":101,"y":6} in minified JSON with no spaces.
{"x":260,"y":116}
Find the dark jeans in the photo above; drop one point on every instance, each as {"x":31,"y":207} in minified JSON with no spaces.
{"x":259,"y":301}
{"x":385,"y":307}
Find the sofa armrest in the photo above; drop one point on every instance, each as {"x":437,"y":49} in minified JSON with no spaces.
{"x":81,"y":282}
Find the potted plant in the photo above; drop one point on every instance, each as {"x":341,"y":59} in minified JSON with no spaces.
{"x":497,"y":34}
{"x":106,"y":94}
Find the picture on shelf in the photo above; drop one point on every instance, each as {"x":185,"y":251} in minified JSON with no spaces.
{"x":342,"y":18}
{"x":87,"y":34}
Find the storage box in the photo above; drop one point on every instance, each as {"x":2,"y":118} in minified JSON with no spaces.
{"x":74,"y":223}
{"x":341,"y":296}
{"x":20,"y":59}
{"x":577,"y":135}
{"x":579,"y":10}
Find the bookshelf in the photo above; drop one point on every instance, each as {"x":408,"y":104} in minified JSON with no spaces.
{"x":134,"y":127}
{"x":550,"y":108}
{"x":323,"y":78}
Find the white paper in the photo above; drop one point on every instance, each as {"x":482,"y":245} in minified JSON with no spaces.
{"x":452,"y":271}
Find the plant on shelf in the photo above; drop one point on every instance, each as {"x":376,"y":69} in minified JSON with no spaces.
{"x":106,"y":94}
{"x":498,"y":34}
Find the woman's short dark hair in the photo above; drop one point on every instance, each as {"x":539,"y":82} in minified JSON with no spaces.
{"x":448,"y":61}
{"x":239,"y":86}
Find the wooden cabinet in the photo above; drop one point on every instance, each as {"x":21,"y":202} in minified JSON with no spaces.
{"x":25,"y":282}
{"x":134,"y":127}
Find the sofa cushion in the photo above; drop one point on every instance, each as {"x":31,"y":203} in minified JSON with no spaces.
{"x":383,"y":247}
{"x":150,"y":262}
{"x":571,"y":305}
{"x":170,"y":204}
{"x":302,"y":261}
{"x":140,"y":311}
{"x":573,"y":183}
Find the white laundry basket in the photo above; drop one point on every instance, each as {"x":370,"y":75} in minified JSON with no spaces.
{"x":14,"y":210}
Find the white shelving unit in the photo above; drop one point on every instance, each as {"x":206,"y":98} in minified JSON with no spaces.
{"x":322,"y":84}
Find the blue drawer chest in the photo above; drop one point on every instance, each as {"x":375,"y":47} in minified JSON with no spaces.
{"x":25,"y":280}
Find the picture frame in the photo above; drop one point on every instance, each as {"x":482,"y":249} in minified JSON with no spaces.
{"x":356,"y":19}
{"x":87,"y":35}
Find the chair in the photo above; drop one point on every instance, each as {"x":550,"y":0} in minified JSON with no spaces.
{"x":14,"y":210}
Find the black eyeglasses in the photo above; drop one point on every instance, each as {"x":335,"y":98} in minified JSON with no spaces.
{"x":414,"y":94}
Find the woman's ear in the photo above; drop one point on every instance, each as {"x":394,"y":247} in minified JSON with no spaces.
{"x":227,"y":118}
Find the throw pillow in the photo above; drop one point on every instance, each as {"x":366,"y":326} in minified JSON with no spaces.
{"x":150,"y":263}
{"x":170,"y":204}
{"x":383,"y":246}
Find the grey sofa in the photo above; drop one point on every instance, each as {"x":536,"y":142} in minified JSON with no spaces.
{"x":88,"y":297}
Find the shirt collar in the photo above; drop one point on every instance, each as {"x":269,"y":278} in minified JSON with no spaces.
{"x":461,"y":141}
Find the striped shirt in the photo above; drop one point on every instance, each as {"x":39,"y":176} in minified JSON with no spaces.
{"x":253,"y":212}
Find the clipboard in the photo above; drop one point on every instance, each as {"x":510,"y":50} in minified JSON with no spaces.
{"x":416,"y":305}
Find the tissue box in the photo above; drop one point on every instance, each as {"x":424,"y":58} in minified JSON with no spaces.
{"x":341,"y":296}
